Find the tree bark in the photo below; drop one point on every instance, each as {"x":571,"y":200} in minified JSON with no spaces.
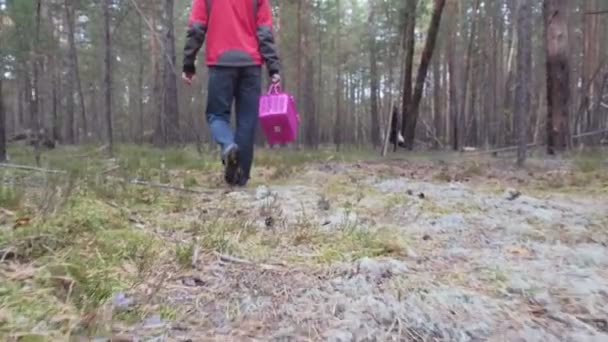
{"x":140,"y":81}
{"x":108,"y":74}
{"x":56,"y":81}
{"x":453,"y":90}
{"x":35,"y":93}
{"x":590,"y":64}
{"x":309,"y":76}
{"x":2,"y":124}
{"x":437,"y":107}
{"x":170,"y":103}
{"x":465,"y":82}
{"x":339,"y":122}
{"x":74,"y":66}
{"x":69,"y":106}
{"x":410,"y":46}
{"x":427,"y":54}
{"x":320,"y":88}
{"x":524,"y":70}
{"x":558,"y":74}
{"x":374,"y":118}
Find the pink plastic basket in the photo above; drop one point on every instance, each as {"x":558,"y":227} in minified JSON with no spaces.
{"x":278,"y":116}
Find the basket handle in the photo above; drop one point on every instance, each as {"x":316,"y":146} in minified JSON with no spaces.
{"x":274,"y":88}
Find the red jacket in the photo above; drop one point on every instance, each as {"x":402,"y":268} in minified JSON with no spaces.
{"x":239,"y":33}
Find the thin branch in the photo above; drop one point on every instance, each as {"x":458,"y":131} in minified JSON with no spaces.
{"x":512,"y":148}
{"x":597,"y":12}
{"x":234,"y":260}
{"x":153,"y":31}
{"x":31,"y":168}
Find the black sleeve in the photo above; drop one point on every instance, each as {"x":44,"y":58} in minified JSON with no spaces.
{"x":195,"y":37}
{"x":268,"y":49}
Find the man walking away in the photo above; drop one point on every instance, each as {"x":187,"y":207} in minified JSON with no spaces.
{"x":239,"y":39}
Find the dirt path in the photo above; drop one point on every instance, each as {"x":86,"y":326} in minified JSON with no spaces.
{"x":470,"y":263}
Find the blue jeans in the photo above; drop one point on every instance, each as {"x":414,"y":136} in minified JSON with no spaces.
{"x":242,"y":85}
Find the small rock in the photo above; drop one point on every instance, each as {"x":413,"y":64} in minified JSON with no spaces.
{"x":546,"y":215}
{"x":153,"y":321}
{"x":591,"y":254}
{"x":512,"y":194}
{"x":370,"y":266}
{"x":120,"y":301}
{"x":262,"y":192}
{"x":518,"y":286}
{"x":397,"y":267}
{"x":193,"y":281}
{"x":426,"y":237}
{"x":451,"y":222}
{"x":542,"y":298}
{"x":382,"y":268}
{"x":421,"y":195}
{"x":269,"y":222}
{"x":96,"y":339}
{"x":338,"y":336}
{"x":323,"y":204}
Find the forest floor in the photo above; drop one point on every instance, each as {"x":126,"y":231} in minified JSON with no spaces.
{"x":319,"y":247}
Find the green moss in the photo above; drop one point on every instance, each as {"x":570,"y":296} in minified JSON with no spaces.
{"x":356,"y":242}
{"x":183,"y":254}
{"x":589,"y":161}
{"x":396,"y":200}
{"x":10,"y":197}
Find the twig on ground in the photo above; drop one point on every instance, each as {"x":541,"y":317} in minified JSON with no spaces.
{"x":7,"y":254}
{"x":31,"y":168}
{"x":156,"y":185}
{"x":113,"y":168}
{"x":90,"y":153}
{"x":234,"y":260}
{"x":195,"y":252}
{"x":513,"y":148}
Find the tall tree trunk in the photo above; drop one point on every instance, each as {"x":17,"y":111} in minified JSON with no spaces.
{"x":56,"y":81}
{"x":299,"y":34}
{"x":590,"y":66}
{"x":35,"y":93}
{"x":309,"y":76}
{"x":74,"y":65}
{"x":108,"y":74}
{"x":157,"y":93}
{"x":453,"y":90}
{"x":170,"y":103}
{"x":524,"y":69}
{"x":465,"y":82}
{"x":69,"y":106}
{"x":21,"y":102}
{"x":2,"y":124}
{"x":140,"y":81}
{"x":410,"y":46}
{"x":339,"y":122}
{"x":427,"y":54}
{"x":558,"y":74}
{"x":320,"y":88}
{"x":437,"y":107}
{"x":374,"y":118}
{"x":508,"y":95}
{"x":494,"y":45}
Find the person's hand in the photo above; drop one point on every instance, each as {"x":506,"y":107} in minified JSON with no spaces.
{"x":276,"y":78}
{"x":188,"y":78}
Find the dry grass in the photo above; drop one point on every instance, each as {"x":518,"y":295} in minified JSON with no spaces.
{"x":70,"y":243}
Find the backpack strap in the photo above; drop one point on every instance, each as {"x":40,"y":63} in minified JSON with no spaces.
{"x":255,"y":9}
